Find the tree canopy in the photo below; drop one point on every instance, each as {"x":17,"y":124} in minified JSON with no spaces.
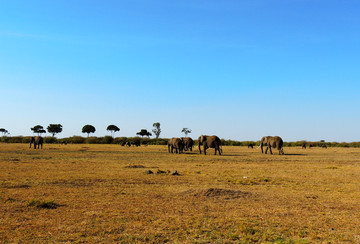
{"x":143,"y":133}
{"x":186,"y":131}
{"x":4,"y":131}
{"x":156,"y":129}
{"x":54,"y":129}
{"x":113,"y":129}
{"x":88,"y":129}
{"x":38,"y":129}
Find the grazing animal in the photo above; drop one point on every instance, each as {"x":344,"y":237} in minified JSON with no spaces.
{"x":188,"y":143}
{"x":177,"y":144}
{"x":209,"y":142}
{"x":250,"y":146}
{"x":126,"y":143}
{"x":37,"y":141}
{"x":304,"y":146}
{"x":272,"y":141}
{"x":136,"y":143}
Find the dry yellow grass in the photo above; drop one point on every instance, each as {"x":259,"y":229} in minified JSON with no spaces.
{"x":103,"y":195}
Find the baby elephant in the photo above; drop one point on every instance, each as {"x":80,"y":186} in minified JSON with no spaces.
{"x":272,"y":141}
{"x":37,"y":140}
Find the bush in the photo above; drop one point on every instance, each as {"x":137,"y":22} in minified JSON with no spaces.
{"x":50,"y":139}
{"x":93,"y":140}
{"x":107,"y":140}
{"x":77,"y":139}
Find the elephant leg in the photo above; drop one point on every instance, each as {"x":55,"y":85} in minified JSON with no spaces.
{"x":204,"y":150}
{"x":199,"y":148}
{"x":267,"y":148}
{"x":262,"y":150}
{"x":219,"y":150}
{"x":270,"y":150}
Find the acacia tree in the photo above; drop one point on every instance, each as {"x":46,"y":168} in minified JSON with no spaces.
{"x":143,"y":133}
{"x":4,"y":131}
{"x":54,"y":129}
{"x":186,"y":131}
{"x":38,"y":129}
{"x":113,"y":129}
{"x":88,"y":129}
{"x":157,"y":129}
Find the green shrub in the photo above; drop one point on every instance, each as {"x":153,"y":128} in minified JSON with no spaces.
{"x":107,"y":140}
{"x":93,"y":140}
{"x":50,"y":139}
{"x":77,"y":139}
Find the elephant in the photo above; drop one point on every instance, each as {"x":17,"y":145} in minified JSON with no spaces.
{"x":304,"y":146}
{"x":209,"y":142}
{"x":176,"y":143}
{"x":188,"y":143}
{"x":37,"y":140}
{"x":126,"y":143}
{"x":135,"y":143}
{"x":251,"y":146}
{"x":272,"y":141}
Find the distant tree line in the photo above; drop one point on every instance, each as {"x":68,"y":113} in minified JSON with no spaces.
{"x":159,"y":141}
{"x":88,"y":129}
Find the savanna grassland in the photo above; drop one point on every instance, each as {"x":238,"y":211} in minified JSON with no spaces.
{"x":101,"y":193}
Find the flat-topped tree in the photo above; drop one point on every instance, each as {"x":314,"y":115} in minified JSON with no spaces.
{"x":143,"y":133}
{"x":4,"y":131}
{"x":38,"y":129}
{"x":54,"y":129}
{"x":88,"y":129}
{"x":113,"y":129}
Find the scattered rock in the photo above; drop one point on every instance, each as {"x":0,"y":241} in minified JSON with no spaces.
{"x":149,"y":172}
{"x":160,"y":172}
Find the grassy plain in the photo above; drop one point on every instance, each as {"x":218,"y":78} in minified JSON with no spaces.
{"x":101,"y":193}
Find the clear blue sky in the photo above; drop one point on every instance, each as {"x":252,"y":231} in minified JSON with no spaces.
{"x":237,"y":69}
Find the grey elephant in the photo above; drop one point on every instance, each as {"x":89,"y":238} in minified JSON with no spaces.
{"x":188,"y":143}
{"x":177,"y":144}
{"x":272,"y":142}
{"x":37,"y":140}
{"x":209,"y":142}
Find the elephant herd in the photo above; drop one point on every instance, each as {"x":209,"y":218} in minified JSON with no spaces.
{"x":179,"y":145}
{"x":186,"y":143}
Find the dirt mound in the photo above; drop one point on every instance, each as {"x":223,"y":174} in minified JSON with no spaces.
{"x":217,"y":192}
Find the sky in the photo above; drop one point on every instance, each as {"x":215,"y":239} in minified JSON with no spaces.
{"x":237,"y":69}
